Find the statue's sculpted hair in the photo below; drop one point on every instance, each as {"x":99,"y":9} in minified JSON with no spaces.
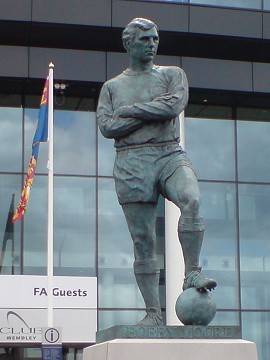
{"x":129,"y":32}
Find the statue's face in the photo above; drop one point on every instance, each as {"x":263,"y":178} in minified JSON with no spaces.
{"x":144,"y":46}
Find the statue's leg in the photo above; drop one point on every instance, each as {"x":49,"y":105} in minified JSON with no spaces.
{"x":141,"y":220}
{"x":182,"y":189}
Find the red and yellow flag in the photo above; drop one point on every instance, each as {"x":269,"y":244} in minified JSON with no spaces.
{"x":41,"y":135}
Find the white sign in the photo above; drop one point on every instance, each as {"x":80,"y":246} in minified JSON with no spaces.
{"x":26,"y":325}
{"x":27,"y":291}
{"x":23,"y":308}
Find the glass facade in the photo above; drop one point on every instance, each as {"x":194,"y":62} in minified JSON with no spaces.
{"x":229,"y":149}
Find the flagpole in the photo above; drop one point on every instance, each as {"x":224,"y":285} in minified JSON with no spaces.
{"x":50,"y":199}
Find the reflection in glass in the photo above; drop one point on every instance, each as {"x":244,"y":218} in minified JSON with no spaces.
{"x":10,"y":139}
{"x":35,"y":229}
{"x":256,"y":328}
{"x":226,"y":318}
{"x":74,"y":142}
{"x":117,"y":284}
{"x":74,"y":226}
{"x":10,"y":248}
{"x":247,"y":4}
{"x":266,"y":4}
{"x":253,"y":150}
{"x":218,"y":256}
{"x":254,"y":213}
{"x":106,"y":155}
{"x":210,"y":146}
{"x":108,"y":318}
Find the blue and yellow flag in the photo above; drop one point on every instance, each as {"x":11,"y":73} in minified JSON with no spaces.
{"x":41,"y":135}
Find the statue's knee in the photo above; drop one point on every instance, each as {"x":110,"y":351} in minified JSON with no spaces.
{"x":191,"y":206}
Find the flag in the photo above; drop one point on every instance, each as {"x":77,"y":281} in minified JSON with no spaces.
{"x":41,"y":135}
{"x":9,"y":233}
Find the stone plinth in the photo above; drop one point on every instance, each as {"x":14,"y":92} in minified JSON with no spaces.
{"x":172,"y":349}
{"x":168,"y":332}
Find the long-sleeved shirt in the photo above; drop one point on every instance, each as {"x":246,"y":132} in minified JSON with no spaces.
{"x":154,"y":98}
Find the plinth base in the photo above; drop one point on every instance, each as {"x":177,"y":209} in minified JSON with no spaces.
{"x":173,"y":349}
{"x":168,"y":332}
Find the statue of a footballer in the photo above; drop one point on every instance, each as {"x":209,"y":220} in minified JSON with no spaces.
{"x":139,"y":109}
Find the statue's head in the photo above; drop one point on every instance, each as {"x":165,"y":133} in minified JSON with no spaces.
{"x":138,"y":34}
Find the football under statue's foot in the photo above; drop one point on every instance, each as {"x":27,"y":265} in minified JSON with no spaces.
{"x":197,"y":280}
{"x":152,"y":318}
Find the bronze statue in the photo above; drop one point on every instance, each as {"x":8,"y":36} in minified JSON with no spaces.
{"x":139,"y":109}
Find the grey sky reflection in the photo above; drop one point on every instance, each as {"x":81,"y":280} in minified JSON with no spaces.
{"x":74,"y":223}
{"x":74,"y":142}
{"x":210,"y":146}
{"x":253,"y":150}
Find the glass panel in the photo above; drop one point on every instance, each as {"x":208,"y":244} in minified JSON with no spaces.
{"x":9,"y":240}
{"x":210,"y":146}
{"x":106,"y":155}
{"x":266,"y":4}
{"x":248,"y":4}
{"x":254,"y":215}
{"x":256,"y":327}
{"x":74,"y":226}
{"x":35,"y":229}
{"x":108,"y":318}
{"x":10,"y":139}
{"x":117,"y":285}
{"x":253,"y":150}
{"x":74,"y":142}
{"x":219,"y":250}
{"x":226,"y":318}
